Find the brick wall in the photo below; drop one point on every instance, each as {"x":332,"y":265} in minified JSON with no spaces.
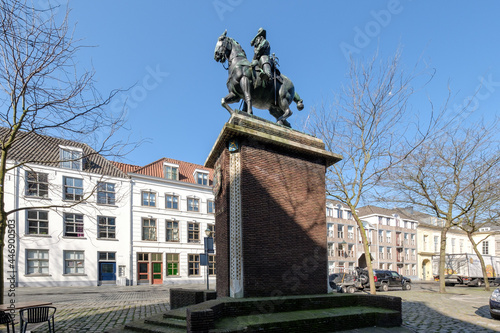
{"x":284,"y":222}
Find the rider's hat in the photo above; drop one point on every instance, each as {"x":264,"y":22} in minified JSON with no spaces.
{"x":261,"y":32}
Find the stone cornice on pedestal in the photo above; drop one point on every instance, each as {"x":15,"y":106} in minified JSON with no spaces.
{"x":242,"y":124}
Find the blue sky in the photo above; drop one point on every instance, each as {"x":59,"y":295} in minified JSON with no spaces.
{"x":165,"y":48}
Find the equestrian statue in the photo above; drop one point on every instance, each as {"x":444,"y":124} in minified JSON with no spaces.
{"x":258,"y":83}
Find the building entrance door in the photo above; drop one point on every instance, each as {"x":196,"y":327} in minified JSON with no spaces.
{"x":107,"y":271}
{"x":143,"y":269}
{"x":157,"y":273}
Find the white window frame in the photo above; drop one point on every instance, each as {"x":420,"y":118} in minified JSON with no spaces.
{"x":150,"y":227}
{"x":72,"y":189}
{"x":168,"y":171}
{"x":73,"y":162}
{"x":204,"y":177}
{"x":106,"y":226}
{"x":210,"y":203}
{"x":172,"y":222}
{"x":39,"y":266}
{"x":38,"y":220}
{"x":37,"y":184}
{"x":76,"y":262}
{"x":74,"y":223}
{"x":191,"y":206}
{"x":151,"y":203}
{"x":109,"y":193}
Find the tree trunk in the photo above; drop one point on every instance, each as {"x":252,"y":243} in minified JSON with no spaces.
{"x":481,"y":260}
{"x":366,"y":248}
{"x":442,"y":259}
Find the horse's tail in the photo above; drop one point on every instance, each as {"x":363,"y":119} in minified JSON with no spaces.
{"x":299,"y":101}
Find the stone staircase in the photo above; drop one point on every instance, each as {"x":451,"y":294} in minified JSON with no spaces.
{"x":288,"y":314}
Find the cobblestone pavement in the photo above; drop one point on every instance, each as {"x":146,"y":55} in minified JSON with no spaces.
{"x":94,"y":309}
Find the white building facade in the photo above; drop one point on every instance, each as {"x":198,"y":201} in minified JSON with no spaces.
{"x":72,"y":219}
{"x":172,"y":207}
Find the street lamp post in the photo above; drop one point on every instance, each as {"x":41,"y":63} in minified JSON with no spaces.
{"x":209,"y":248}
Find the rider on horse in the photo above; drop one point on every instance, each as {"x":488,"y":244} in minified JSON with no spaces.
{"x":261,"y":57}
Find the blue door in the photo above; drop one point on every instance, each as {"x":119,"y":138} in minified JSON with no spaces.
{"x":107,"y":271}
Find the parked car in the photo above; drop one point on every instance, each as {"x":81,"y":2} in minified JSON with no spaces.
{"x":331,"y":280}
{"x":387,"y":279}
{"x":495,"y":304}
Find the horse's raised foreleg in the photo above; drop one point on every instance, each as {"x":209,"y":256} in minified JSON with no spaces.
{"x":245,"y":87}
{"x":229,"y":99}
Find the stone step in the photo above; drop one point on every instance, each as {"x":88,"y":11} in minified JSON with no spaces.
{"x":322,"y":320}
{"x":151,"y":328}
{"x":169,"y":321}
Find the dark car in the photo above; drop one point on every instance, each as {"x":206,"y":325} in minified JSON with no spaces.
{"x":387,"y":279}
{"x":495,"y":304}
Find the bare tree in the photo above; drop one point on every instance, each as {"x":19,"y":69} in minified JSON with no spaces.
{"x":449,"y":176}
{"x":365,"y":123}
{"x":42,"y":91}
{"x":484,"y":213}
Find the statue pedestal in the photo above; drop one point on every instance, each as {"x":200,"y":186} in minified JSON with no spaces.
{"x":270,"y":218}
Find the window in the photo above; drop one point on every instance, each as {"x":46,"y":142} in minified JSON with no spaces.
{"x":211,"y":264}
{"x":74,"y":262}
{"x":149,"y":229}
{"x":193,"y":205}
{"x":381,"y":252}
{"x":453,"y":240}
{"x":172,"y":264}
{"x":338,"y":212}
{"x":350,"y":232}
{"x":105,"y":193}
{"x":211,"y":227}
{"x":73,"y":189}
{"x":461,"y":246}
{"x":106,"y":227}
{"x":388,"y":236}
{"x":486,"y":247}
{"x":380,"y":236}
{"x":436,"y":243}
{"x":71,"y":159}
{"x":389,"y":253}
{"x":171,"y":171}
{"x":193,"y":232}
{"x":340,"y":231}
{"x":107,"y":256}
{"x":201,"y":177}
{"x":210,"y":207}
{"x":148,"y":199}
{"x":194,"y":264}
{"x":38,"y":222}
{"x":73,"y":225}
{"x":329,"y":211}
{"x":413,"y":269}
{"x":38,"y":261}
{"x":388,"y":221}
{"x":349,"y":215}
{"x":37,"y":184}
{"x":413,"y":254}
{"x":172,"y":233}
{"x":171,"y":201}
{"x":413,"y":239}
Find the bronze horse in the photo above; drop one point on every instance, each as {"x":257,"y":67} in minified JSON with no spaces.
{"x":240,"y":84}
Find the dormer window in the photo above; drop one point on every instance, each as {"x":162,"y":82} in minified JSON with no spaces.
{"x":71,"y":158}
{"x":171,"y":171}
{"x":201,"y":177}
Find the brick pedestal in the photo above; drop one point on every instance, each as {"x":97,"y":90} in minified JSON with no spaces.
{"x":270,"y":209}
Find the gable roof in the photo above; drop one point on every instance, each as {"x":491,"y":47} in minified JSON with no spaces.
{"x":40,"y":149}
{"x":374,"y":210}
{"x":156,"y":169}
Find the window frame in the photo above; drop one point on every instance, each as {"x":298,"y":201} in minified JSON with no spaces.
{"x":39,"y":260}
{"x":201,"y":177}
{"x":76,"y":223}
{"x":173,"y":201}
{"x":38,"y":220}
{"x":212,"y":265}
{"x":171,"y":174}
{"x":109,"y":195}
{"x":66,"y":187}
{"x":486,"y":247}
{"x":73,"y":162}
{"x":37,"y":184}
{"x":172,"y":229}
{"x":194,"y":264}
{"x":193,"y":232}
{"x":210,"y":207}
{"x":148,"y":199}
{"x":191,"y":207}
{"x":106,"y":225}
{"x":149,"y":227}
{"x":174,"y":260}
{"x":66,"y":260}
